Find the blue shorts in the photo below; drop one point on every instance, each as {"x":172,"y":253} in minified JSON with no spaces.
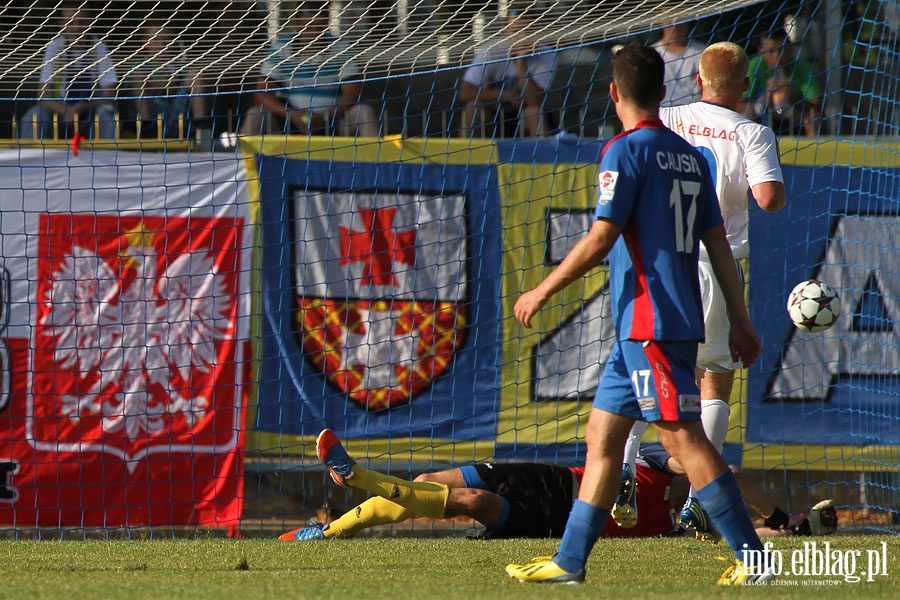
{"x":651,"y":381}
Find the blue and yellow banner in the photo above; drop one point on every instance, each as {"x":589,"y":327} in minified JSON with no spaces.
{"x":390,"y":269}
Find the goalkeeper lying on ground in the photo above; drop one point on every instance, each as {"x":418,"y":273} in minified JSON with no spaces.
{"x":526,"y":499}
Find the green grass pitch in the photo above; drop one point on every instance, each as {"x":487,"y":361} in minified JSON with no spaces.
{"x":396,"y":569}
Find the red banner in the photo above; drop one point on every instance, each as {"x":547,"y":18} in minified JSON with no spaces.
{"x":127,"y":404}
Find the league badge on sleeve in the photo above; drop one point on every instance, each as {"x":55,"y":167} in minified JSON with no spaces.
{"x":608,"y":185}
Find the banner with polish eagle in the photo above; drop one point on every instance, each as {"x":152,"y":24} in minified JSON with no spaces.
{"x":126,"y":299}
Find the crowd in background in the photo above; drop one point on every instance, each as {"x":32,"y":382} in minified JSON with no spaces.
{"x":507,"y":88}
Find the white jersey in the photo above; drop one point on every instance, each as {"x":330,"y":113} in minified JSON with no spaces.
{"x":741,"y":154}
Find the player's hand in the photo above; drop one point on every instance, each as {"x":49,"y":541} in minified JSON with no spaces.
{"x":744,"y":342}
{"x":528,"y":305}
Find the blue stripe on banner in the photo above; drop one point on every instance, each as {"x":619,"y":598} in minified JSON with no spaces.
{"x":295,"y":397}
{"x":574,"y":454}
{"x":803,"y":390}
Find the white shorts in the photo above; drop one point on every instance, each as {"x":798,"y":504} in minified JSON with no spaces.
{"x":714,"y":355}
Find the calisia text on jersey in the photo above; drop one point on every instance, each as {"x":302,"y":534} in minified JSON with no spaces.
{"x":683,"y":163}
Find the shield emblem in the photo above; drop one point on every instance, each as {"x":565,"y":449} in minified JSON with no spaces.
{"x":134,"y":347}
{"x":381,"y":290}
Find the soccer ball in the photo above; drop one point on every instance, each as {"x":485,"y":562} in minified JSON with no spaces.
{"x":813,"y":305}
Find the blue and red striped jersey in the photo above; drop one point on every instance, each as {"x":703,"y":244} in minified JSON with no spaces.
{"x":658,"y":188}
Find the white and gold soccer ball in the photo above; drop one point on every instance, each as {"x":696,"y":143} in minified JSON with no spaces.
{"x":813,"y":305}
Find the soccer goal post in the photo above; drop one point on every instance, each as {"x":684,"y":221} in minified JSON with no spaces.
{"x":229,"y":225}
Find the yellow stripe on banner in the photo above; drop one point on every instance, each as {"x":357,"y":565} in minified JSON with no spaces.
{"x":737,"y":419}
{"x":256,"y":296}
{"x":813,"y":152}
{"x":527,"y":193}
{"x":420,"y":449}
{"x":802,"y":457}
{"x":442,"y":151}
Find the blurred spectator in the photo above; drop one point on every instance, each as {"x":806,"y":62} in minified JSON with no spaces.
{"x":783,"y":93}
{"x":162,"y":84}
{"x":508,"y":78}
{"x":77,"y":82}
{"x":221,"y":88}
{"x":682,"y":58}
{"x":306,"y":87}
{"x":870,"y":31}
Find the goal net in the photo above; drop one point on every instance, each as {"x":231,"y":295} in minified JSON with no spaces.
{"x":229,"y":225}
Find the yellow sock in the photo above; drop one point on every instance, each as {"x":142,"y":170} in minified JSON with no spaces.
{"x":372,"y":512}
{"x":423,"y":498}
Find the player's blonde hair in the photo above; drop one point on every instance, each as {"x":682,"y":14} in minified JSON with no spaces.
{"x":723,"y":67}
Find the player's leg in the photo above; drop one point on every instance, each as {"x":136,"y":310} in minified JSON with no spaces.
{"x":452,"y":478}
{"x":516,"y":500}
{"x":606,"y":433}
{"x":715,"y":377}
{"x":423,"y":498}
{"x":715,"y":368}
{"x":715,"y":389}
{"x":625,"y":510}
{"x":470,"y":496}
{"x":714,"y":415}
{"x":716,"y":488}
{"x":822,"y":518}
{"x":374,"y":511}
{"x":380,"y":511}
{"x":761,"y":503}
{"x":677,"y":420}
{"x":633,"y":444}
{"x":605,"y":436}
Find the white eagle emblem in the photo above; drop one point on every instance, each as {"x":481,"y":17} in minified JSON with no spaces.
{"x":132,"y":333}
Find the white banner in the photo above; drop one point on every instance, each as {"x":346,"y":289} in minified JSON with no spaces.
{"x":129,"y":280}
{"x":363,"y":246}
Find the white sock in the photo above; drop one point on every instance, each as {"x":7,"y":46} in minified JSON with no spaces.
{"x":714,"y":415}
{"x":633,"y":445}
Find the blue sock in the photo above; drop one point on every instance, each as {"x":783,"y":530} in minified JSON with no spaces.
{"x":722,"y":501}
{"x":504,"y":516}
{"x":583,"y":529}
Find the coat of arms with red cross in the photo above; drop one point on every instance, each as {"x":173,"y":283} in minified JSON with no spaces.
{"x":381,"y":287}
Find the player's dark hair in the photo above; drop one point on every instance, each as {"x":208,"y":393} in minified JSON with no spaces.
{"x":639,"y":72}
